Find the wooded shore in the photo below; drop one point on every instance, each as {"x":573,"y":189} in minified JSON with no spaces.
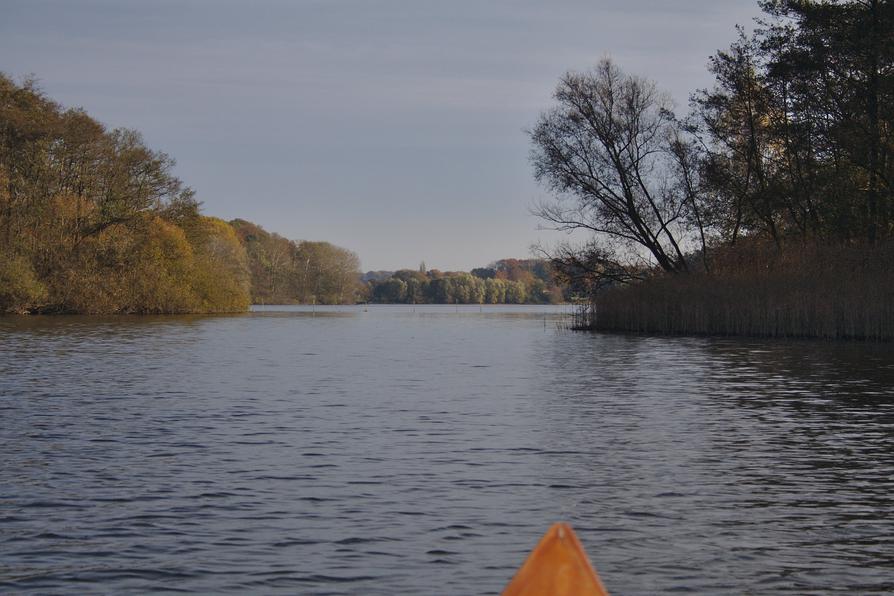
{"x":766,"y":210}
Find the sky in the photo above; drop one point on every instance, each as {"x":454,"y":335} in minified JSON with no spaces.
{"x":393,"y":128}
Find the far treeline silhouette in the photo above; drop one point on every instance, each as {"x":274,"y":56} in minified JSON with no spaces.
{"x":766,"y":211}
{"x":93,"y":221}
{"x":507,"y":281}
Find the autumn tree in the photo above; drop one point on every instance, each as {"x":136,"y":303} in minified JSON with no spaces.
{"x":93,"y":220}
{"x":328,"y":274}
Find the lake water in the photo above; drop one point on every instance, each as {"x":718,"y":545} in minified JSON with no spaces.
{"x":424,"y":451}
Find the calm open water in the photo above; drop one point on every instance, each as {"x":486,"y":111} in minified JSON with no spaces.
{"x":391,"y":451}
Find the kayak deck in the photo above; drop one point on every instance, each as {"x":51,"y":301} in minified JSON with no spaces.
{"x":558,"y":566}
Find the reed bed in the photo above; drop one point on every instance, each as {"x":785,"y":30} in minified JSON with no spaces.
{"x":812,"y":291}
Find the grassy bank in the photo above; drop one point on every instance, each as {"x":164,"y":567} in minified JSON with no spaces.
{"x":759,"y":290}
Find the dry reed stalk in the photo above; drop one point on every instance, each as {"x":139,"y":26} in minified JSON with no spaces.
{"x":844,"y":292}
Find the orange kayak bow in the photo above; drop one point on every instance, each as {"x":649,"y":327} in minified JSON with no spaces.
{"x":558,"y":566}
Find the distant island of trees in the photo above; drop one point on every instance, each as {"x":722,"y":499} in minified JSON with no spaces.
{"x":507,"y":281}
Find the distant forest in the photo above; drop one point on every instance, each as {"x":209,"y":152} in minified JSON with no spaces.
{"x":766,"y":210}
{"x":508,"y":281}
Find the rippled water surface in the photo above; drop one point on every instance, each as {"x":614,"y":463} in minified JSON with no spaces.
{"x":389,"y":450}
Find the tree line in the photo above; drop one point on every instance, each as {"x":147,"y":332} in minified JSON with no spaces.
{"x":792,"y":148}
{"x":507,"y":281}
{"x":285,"y":271}
{"x":94,"y":221}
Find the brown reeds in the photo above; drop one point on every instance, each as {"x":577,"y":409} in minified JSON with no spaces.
{"x":818,"y":291}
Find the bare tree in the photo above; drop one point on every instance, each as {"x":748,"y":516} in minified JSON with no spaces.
{"x":610,"y":150}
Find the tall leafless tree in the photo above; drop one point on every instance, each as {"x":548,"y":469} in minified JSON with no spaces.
{"x":612,"y":152}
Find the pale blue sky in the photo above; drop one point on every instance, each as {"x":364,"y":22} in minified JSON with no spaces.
{"x":390,"y":127}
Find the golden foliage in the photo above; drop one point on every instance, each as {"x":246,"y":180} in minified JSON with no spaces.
{"x":220,"y":277}
{"x":93,"y":221}
{"x":20,"y":290}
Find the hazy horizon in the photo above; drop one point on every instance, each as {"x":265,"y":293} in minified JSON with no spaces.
{"x":395,"y":130}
